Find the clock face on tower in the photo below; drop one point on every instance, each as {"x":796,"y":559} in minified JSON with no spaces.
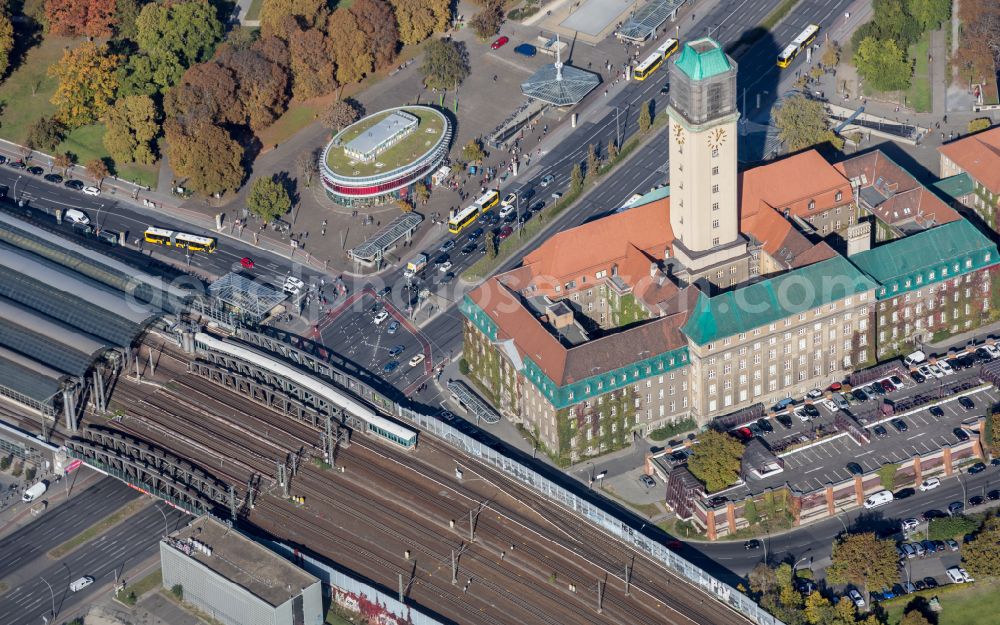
{"x":716,"y":138}
{"x":679,"y":134}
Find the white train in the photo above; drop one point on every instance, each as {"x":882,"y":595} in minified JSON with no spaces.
{"x":376,"y":424}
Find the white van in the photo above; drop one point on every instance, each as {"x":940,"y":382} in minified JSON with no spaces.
{"x":80,"y":584}
{"x":915,"y":359}
{"x":878,"y":499}
{"x":33,"y":493}
{"x":76,"y":217}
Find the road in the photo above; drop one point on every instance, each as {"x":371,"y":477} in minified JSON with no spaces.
{"x":27,"y":599}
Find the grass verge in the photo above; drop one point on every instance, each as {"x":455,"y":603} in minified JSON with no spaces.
{"x":98,"y":528}
{"x":918,"y":96}
{"x":962,"y":604}
{"x":298,"y":116}
{"x":649,"y":510}
{"x":506,"y":248}
{"x":151,"y":581}
{"x":778,"y":14}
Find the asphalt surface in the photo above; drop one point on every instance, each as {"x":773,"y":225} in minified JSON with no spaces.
{"x":28,"y":599}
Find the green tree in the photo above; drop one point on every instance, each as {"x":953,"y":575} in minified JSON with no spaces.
{"x":802,"y":123}
{"x":980,"y":123}
{"x":716,"y":460}
{"x":914,"y":617}
{"x":863,"y":560}
{"x":883,"y":64}
{"x":576,"y":177}
{"x":645,"y":117}
{"x":891,"y":20}
{"x":487,"y":22}
{"x":492,"y":244}
{"x":126,"y":12}
{"x":175,"y":36}
{"x":472,"y":152}
{"x":6,"y":42}
{"x":268,"y":199}
{"x":45,"y":133}
{"x":132,"y":126}
{"x":929,"y":13}
{"x":951,"y":527}
{"x":88,"y":79}
{"x":445,"y":65}
{"x":982,"y":556}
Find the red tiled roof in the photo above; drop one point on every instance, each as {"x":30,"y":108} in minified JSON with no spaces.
{"x":792,"y":183}
{"x":978,"y":154}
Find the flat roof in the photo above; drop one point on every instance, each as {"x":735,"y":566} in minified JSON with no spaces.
{"x":595,"y":15}
{"x":393,"y":124}
{"x":431,"y":129}
{"x":246,"y":563}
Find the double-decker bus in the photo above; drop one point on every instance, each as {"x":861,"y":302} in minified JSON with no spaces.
{"x":470,"y":213}
{"x":182,"y":240}
{"x":798,"y":44}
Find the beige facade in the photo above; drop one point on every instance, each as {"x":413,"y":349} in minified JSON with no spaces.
{"x":786,"y":358}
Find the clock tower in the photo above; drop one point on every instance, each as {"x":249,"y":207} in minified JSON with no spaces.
{"x":704,"y":200}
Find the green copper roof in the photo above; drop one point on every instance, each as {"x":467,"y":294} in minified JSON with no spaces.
{"x":930,"y":256}
{"x":703,"y":58}
{"x":774,"y":299}
{"x":954,"y":187}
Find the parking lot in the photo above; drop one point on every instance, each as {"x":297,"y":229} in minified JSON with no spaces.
{"x":920,"y":432}
{"x":376,"y":346}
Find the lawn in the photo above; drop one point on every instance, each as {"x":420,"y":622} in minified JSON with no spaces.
{"x":918,"y":96}
{"x":428,"y":131}
{"x":253,"y":13}
{"x":298,"y":116}
{"x":25,"y":95}
{"x":962,"y":604}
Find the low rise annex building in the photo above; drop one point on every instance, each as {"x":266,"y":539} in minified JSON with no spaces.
{"x":736,"y":289}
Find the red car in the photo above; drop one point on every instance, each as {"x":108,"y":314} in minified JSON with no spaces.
{"x":744,"y":434}
{"x":499,"y":43}
{"x":246,"y":263}
{"x":504,"y":233}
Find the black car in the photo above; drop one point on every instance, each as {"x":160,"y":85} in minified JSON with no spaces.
{"x":931,"y":582}
{"x":442,"y":259}
{"x":17,"y":164}
{"x":469,"y":248}
{"x":920,"y":585}
{"x":54,"y":178}
{"x":995,"y":462}
{"x":35,"y":170}
{"x":785,"y":420}
{"x":76,"y":185}
{"x":880,"y":431}
{"x":527,"y":194}
{"x":936,"y":411}
{"x":448,"y":277}
{"x":765,"y":425}
{"x":876,"y":388}
{"x":384,"y":291}
{"x":933,"y":514}
{"x":993,"y":495}
{"x":859,"y":394}
{"x":966,"y":403}
{"x":900,"y":425}
{"x":918,"y":377}
{"x":810,"y":411}
{"x":903,"y":493}
{"x":537,"y":206}
{"x":752,"y":544}
{"x":511,"y":218}
{"x":976,"y":500}
{"x":979,"y":467}
{"x":475,"y":234}
{"x":980,"y":352}
{"x":715,"y":502}
{"x":955,"y":364}
{"x":967,"y":360}
{"x":960,"y":434}
{"x":854,"y":468}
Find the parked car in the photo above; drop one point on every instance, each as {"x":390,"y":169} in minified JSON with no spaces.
{"x":908,"y":524}
{"x":525,"y":49}
{"x":929,"y":484}
{"x":918,"y":377}
{"x":854,"y":468}
{"x":993,"y":495}
{"x":856,"y":597}
{"x":859,"y":394}
{"x":784,"y":420}
{"x":840,"y":401}
{"x":647,"y":480}
{"x":765,"y":425}
{"x":960,"y":434}
{"x":887,"y":386}
{"x":945,"y":367}
{"x":879,"y":431}
{"x":35,"y":170}
{"x":979,"y":467}
{"x":952,"y":544}
{"x":53,"y":178}
{"x":966,"y":403}
{"x":976,"y":500}
{"x":928,"y":546}
{"x":91,"y":191}
{"x":900,"y":425}
{"x":955,"y":508}
{"x":930,"y":582}
{"x":814,"y":394}
{"x":936,"y":411}
{"x":499,"y":43}
{"x":903,"y":493}
{"x":76,"y":185}
{"x":933,"y":514}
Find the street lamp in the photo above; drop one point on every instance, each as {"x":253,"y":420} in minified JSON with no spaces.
{"x":15,"y":187}
{"x":802,"y":559}
{"x":51,"y":592}
{"x":166,"y":530}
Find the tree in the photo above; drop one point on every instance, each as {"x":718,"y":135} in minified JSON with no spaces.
{"x":914,"y":617}
{"x":45,"y":133}
{"x":126,"y":12}
{"x":175,"y":36}
{"x":929,"y":13}
{"x":87,"y":83}
{"x":863,"y":560}
{"x":421,"y":192}
{"x":831,"y":54}
{"x":6,"y":42}
{"x":891,"y":20}
{"x":612,"y":150}
{"x":817,"y":609}
{"x":982,"y":556}
{"x":762,"y":579}
{"x":492,"y":244}
{"x":348,"y":46}
{"x":98,"y":170}
{"x":472,"y":152}
{"x":716,"y":460}
{"x":593,"y":163}
{"x":262,"y":83}
{"x":341,"y":114}
{"x":268,"y":199}
{"x":73,"y":18}
{"x":951,"y":527}
{"x":446,"y":64}
{"x":313,"y":73}
{"x":417,"y":19}
{"x":576,"y":177}
{"x":405,"y":205}
{"x":980,"y":123}
{"x":378,"y":25}
{"x":645,"y":117}
{"x":802,"y":122}
{"x":132,"y":126}
{"x":308,"y":166}
{"x":275,"y":14}
{"x":487,"y":22}
{"x":206,"y":91}
{"x":63,"y":161}
{"x":205,"y":154}
{"x":883,"y":64}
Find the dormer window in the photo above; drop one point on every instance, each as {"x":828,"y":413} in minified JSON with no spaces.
{"x":839,"y":196}
{"x":812,"y":204}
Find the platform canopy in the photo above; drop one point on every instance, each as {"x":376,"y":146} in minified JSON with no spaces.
{"x":560,"y":85}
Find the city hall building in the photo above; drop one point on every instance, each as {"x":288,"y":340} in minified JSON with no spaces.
{"x":735,"y":289}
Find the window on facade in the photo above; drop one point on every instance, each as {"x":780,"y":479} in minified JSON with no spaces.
{"x":715,"y":152}
{"x":715,"y":206}
{"x":715,"y":171}
{"x":838,"y":197}
{"x":715,"y":188}
{"x":715,"y":241}
{"x":715,"y":223}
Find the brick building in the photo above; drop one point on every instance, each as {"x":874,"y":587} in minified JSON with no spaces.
{"x":976,"y":156}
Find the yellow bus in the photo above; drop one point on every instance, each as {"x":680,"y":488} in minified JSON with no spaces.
{"x":459,"y":220}
{"x":170,"y":238}
{"x":798,"y":44}
{"x":649,"y":65}
{"x":669,"y":47}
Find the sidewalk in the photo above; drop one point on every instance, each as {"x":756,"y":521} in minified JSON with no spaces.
{"x":19,"y":514}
